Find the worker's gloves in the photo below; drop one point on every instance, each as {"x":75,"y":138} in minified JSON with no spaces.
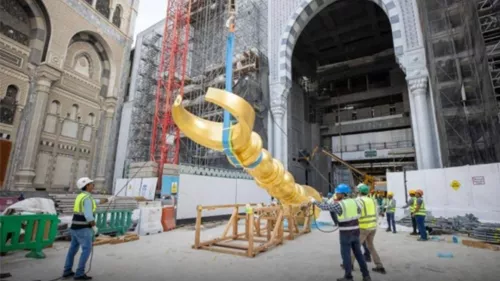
{"x":111,"y":199}
{"x":94,"y":228}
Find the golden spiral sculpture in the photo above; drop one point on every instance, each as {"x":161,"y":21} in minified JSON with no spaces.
{"x":246,"y":146}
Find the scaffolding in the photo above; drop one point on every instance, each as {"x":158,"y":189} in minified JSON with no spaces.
{"x":206,"y":68}
{"x":464,"y":98}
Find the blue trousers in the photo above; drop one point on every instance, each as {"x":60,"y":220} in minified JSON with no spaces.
{"x":348,"y":243}
{"x":391,"y":221}
{"x":81,"y":237}
{"x":421,"y":226}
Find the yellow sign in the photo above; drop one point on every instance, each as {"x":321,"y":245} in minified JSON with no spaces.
{"x":455,"y":184}
{"x":173,"y":188}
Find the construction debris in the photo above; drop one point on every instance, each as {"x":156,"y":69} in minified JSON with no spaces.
{"x":468,"y":225}
{"x":104,"y":239}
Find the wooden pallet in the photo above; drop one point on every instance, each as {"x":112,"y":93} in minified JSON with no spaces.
{"x":102,"y":239}
{"x":263,"y":230}
{"x":480,"y":245}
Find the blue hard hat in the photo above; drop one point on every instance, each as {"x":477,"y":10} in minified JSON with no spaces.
{"x":343,"y":188}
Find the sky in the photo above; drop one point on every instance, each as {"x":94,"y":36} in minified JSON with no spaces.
{"x":150,"y":12}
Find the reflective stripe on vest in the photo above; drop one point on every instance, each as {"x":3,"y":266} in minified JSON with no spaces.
{"x":78,"y":207}
{"x":388,"y":206}
{"x":368,"y":219}
{"x":349,"y":218}
{"x":421,"y":211}
{"x":413,"y":204}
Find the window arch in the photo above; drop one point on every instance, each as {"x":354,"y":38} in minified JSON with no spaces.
{"x":8,"y":105}
{"x":91,"y":119}
{"x":74,"y":112}
{"x":102,"y":7}
{"x":55,"y":107}
{"x":117,"y":16}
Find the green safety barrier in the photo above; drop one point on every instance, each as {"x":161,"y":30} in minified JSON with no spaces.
{"x":119,"y":221}
{"x":39,"y":232}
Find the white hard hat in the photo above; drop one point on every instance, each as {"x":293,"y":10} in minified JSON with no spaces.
{"x":82,"y":182}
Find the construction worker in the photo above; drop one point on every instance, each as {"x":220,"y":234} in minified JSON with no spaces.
{"x":348,"y":212}
{"x":368,"y":225}
{"x":83,"y":229}
{"x":390,"y":210}
{"x":420,"y":214}
{"x":411,"y":203}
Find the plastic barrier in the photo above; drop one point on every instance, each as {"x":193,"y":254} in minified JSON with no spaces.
{"x":168,"y":218}
{"x":119,"y":221}
{"x":39,"y":232}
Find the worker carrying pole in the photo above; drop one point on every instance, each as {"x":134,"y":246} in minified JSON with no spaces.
{"x":83,"y":229}
{"x":348,"y":212}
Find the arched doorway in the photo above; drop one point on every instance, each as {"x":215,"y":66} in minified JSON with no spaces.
{"x":345,"y":90}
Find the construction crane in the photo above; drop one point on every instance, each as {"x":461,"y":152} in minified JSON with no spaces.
{"x":165,"y":139}
{"x":367,"y":179}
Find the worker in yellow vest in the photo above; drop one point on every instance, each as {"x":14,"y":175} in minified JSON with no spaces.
{"x":390,"y":211}
{"x":348,"y":212}
{"x":368,"y":225}
{"x":420,"y":213}
{"x":411,"y":203}
{"x":83,"y":228}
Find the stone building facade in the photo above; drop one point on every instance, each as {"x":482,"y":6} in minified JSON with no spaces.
{"x":63,"y":74}
{"x":288,"y":18}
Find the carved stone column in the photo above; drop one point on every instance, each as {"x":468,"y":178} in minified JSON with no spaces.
{"x":109,"y":112}
{"x":278,"y":110}
{"x":418,"y":90}
{"x":46,"y":75}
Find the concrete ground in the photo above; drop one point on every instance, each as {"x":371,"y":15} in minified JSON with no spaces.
{"x":315,"y":256}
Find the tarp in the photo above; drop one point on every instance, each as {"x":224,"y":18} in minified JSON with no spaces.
{"x":32,"y":206}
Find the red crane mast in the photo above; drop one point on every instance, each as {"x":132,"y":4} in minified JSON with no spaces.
{"x":165,"y":141}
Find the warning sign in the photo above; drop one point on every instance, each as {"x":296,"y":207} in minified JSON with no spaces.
{"x":455,"y":184}
{"x":478,"y":180}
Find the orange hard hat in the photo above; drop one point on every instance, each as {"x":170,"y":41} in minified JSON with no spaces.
{"x":419,"y":191}
{"x":412,"y":191}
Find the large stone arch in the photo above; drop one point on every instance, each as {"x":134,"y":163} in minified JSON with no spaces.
{"x":40,"y":29}
{"x":306,"y":12}
{"x":103,"y":52}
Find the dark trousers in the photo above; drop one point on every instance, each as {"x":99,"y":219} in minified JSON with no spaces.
{"x":348,"y":243}
{"x":414,"y":224}
{"x":367,"y":252}
{"x":421,"y":226}
{"x":391,"y":221}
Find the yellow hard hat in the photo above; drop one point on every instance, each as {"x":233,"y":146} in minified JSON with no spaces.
{"x":412,"y":191}
{"x":390,"y":193}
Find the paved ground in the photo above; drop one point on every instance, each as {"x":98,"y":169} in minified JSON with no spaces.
{"x":169,"y":256}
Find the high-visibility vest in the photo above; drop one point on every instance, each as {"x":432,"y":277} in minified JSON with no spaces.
{"x":421,"y":211}
{"x":79,"y":220}
{"x":412,"y":203}
{"x":390,"y":209}
{"x":368,"y":219}
{"x":349,"y":218}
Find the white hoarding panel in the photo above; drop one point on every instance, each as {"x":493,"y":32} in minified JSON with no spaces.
{"x":247,"y":191}
{"x":148,"y":187}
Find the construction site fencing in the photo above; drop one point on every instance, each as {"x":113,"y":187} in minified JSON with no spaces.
{"x":453,"y":191}
{"x":28,"y":232}
{"x":114,"y":221}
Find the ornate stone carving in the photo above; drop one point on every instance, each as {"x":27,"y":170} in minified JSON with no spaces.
{"x":410,"y":24}
{"x":279,"y":97}
{"x":418,"y":85}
